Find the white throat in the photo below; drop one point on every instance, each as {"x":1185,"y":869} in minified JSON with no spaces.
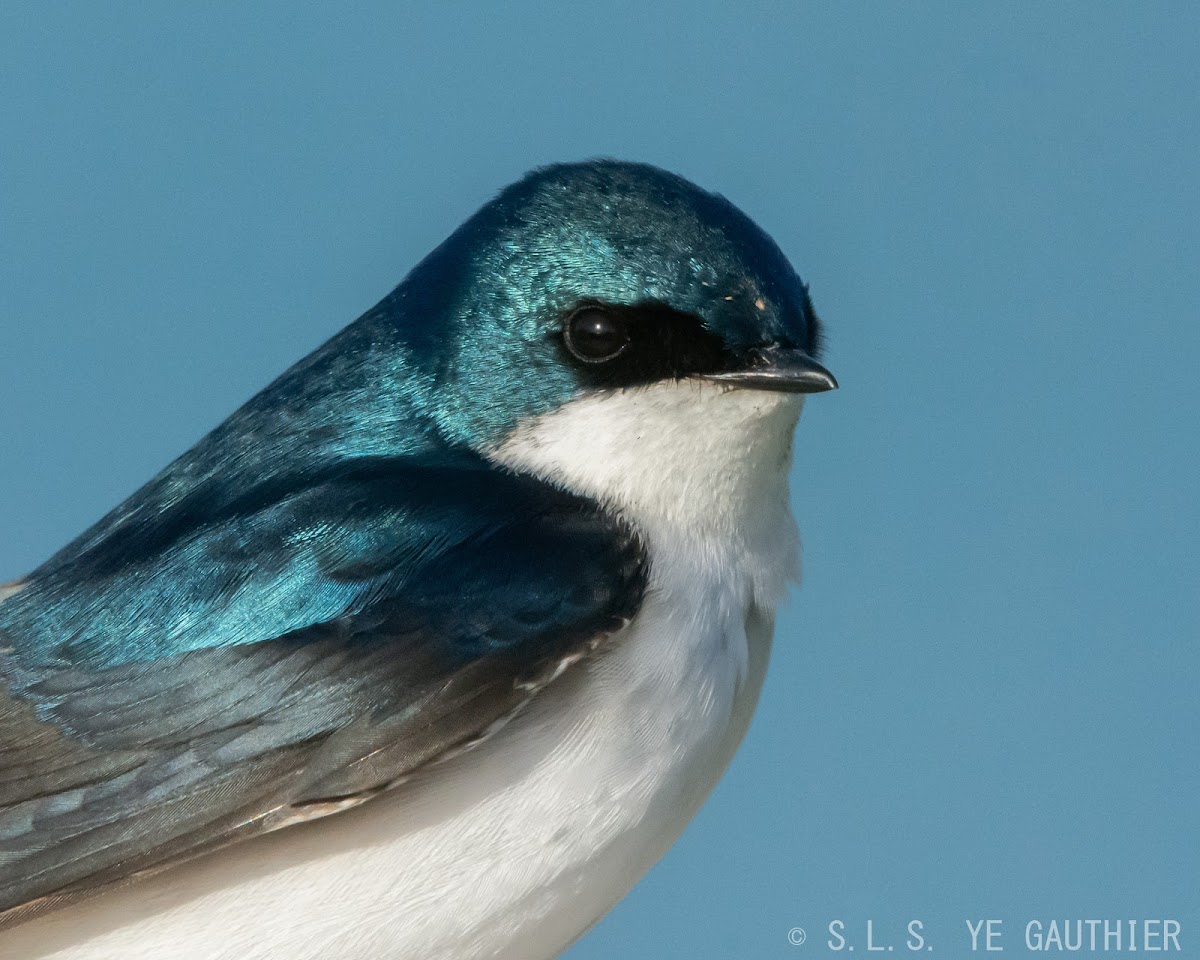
{"x":694,"y":466}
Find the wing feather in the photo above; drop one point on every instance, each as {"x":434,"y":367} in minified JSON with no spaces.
{"x":197,"y":681}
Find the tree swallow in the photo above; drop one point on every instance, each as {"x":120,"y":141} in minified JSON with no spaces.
{"x":434,"y":647}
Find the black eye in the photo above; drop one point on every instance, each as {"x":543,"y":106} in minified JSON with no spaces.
{"x":595,"y":335}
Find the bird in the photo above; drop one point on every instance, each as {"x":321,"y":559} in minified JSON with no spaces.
{"x":433,"y":647}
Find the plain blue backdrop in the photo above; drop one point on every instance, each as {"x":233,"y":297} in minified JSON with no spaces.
{"x":983,"y":697}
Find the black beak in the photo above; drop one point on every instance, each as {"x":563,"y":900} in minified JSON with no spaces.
{"x":778,"y":368}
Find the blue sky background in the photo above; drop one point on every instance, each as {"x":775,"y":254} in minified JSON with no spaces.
{"x":983,"y":699}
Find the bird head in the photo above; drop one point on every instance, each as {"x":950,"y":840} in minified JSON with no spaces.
{"x":585,"y":279}
{"x":620,"y":331}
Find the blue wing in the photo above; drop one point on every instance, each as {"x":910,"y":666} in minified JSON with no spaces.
{"x":185,"y":679}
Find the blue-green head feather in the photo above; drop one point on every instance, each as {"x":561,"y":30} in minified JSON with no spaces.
{"x":494,"y":297}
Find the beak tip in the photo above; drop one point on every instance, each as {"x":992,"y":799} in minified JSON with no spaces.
{"x":788,"y":371}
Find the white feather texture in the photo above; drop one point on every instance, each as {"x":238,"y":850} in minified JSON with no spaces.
{"x":513,"y":849}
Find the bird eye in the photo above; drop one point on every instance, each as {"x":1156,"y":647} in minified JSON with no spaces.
{"x":594,"y":335}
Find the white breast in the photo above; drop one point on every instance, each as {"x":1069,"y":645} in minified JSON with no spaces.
{"x":513,"y":849}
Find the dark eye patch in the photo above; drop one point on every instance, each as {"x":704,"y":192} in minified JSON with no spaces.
{"x":662,"y":344}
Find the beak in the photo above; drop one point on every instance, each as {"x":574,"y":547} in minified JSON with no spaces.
{"x":778,"y":368}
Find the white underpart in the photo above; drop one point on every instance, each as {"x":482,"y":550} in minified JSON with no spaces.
{"x":513,"y":849}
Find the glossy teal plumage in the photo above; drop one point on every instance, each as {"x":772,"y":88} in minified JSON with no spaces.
{"x":339,"y":553}
{"x":448,"y":362}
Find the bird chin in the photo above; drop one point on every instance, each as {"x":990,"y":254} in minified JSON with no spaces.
{"x":693,"y":456}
